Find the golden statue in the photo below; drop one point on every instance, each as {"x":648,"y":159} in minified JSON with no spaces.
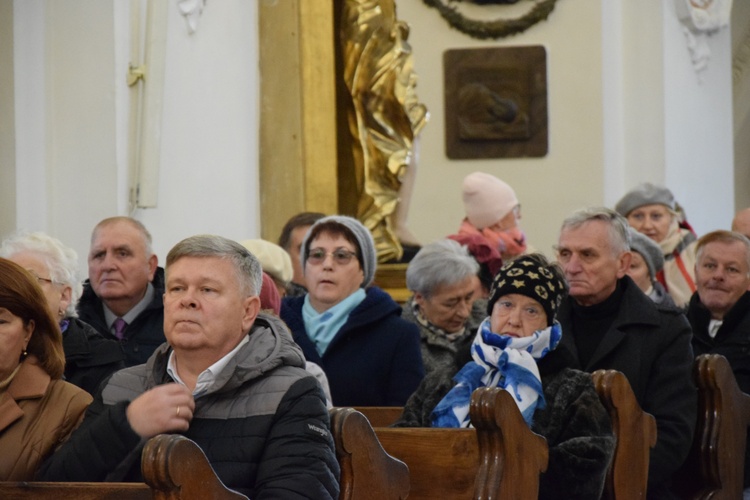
{"x":386,"y":118}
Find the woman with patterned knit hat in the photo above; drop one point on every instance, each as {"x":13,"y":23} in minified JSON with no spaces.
{"x":518,"y":349}
{"x":652,"y":210}
{"x":352,"y":330}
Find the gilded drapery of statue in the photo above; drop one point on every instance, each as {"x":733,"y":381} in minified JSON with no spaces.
{"x":386,"y":117}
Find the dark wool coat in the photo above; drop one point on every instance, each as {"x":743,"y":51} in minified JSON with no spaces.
{"x":650,"y":345}
{"x":89,"y":357}
{"x":732,"y":341}
{"x":574,"y":422}
{"x":143,"y":335}
{"x":373,"y":360}
{"x":263,"y":425}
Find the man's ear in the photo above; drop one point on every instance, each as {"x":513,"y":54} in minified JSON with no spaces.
{"x":251,"y":308}
{"x":623,"y":263}
{"x":153,"y":263}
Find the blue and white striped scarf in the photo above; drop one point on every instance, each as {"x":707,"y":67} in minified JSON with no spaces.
{"x":499,"y":361}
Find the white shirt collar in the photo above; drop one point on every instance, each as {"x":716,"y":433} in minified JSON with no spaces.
{"x":207,"y":378}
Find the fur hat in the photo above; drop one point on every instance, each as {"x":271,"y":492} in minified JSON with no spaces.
{"x":487,"y":199}
{"x":649,"y":250}
{"x":364,"y":241}
{"x":530,"y":275}
{"x":645,"y":194}
{"x":273,"y":259}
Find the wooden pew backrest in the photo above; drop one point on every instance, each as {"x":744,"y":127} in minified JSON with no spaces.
{"x":500,"y":458}
{"x":367,"y":471}
{"x":715,"y":466}
{"x":635,"y":432}
{"x":381,"y":416}
{"x":176,"y":468}
{"x":173,"y":466}
{"x":74,"y":491}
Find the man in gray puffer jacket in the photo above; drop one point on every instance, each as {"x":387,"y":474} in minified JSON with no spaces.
{"x":229,"y":378}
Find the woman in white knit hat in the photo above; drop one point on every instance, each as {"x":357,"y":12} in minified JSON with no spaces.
{"x":490,"y":229}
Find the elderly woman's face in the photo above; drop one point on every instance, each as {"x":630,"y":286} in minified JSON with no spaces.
{"x":14,"y":337}
{"x":332,"y":271}
{"x":651,"y":220}
{"x":517,"y":315}
{"x":57,"y":295}
{"x":448,"y":306}
{"x":638,"y":271}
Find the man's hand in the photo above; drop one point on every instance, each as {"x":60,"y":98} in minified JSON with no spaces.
{"x":165,"y":408}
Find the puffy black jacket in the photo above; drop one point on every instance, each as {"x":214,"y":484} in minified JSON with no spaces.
{"x":263,"y":425}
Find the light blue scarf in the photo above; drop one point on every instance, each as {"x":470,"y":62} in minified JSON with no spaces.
{"x":499,"y":361}
{"x":322,"y":327}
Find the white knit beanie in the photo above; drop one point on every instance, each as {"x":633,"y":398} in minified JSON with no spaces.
{"x":487,"y":199}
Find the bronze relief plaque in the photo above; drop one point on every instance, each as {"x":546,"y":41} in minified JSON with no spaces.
{"x":496,"y":102}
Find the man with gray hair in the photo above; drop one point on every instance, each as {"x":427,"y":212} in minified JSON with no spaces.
{"x":122,"y":299}
{"x":719,"y":311}
{"x":229,"y":377}
{"x":609,"y":323}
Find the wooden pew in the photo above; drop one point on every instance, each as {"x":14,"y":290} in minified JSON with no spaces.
{"x":174,"y":468}
{"x":367,"y":471}
{"x":381,"y":416}
{"x":635,"y":431}
{"x":715,"y":466}
{"x":456,"y":464}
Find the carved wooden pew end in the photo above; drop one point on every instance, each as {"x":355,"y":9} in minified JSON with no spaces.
{"x":635,"y":432}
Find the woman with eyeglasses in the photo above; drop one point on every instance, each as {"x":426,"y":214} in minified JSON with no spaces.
{"x":38,"y":410}
{"x":352,"y":330}
{"x":89,"y":357}
{"x":517,"y":348}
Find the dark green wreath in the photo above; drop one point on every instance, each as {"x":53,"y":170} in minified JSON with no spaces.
{"x":493,"y":29}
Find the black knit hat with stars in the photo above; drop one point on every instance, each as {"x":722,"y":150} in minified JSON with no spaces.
{"x":533,"y":276}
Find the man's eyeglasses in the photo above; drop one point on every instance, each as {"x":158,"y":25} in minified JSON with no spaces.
{"x":340,"y":256}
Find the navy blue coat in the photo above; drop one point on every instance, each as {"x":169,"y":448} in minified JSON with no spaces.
{"x":374,"y":360}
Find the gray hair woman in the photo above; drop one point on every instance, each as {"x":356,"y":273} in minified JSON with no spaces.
{"x":653,"y":211}
{"x":89,"y":357}
{"x":443,"y":277}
